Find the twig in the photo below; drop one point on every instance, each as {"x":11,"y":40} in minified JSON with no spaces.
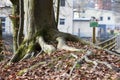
{"x":73,"y":67}
{"x":105,"y":63}
{"x":96,"y":62}
{"x":90,"y":61}
{"x":75,"y":56}
{"x":88,"y":53}
{"x":39,"y":53}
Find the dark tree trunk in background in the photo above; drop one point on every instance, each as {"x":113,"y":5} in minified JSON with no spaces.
{"x":21,"y":22}
{"x":58,"y":11}
{"x":15,"y":21}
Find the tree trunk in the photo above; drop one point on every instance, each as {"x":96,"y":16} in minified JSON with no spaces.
{"x":58,"y":11}
{"x":40,"y":28}
{"x":15,"y":21}
{"x":21,"y":22}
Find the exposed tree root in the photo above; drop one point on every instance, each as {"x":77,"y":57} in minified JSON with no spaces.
{"x":62,"y":45}
{"x":88,"y":53}
{"x":96,"y":62}
{"x":47,"y":48}
{"x":85,"y":57}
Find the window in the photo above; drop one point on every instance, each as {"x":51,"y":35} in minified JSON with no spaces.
{"x":3,"y":21}
{"x":62,"y":3}
{"x":62,"y":21}
{"x":83,"y":11}
{"x":101,"y":18}
{"x":3,"y":29}
{"x":108,"y":18}
{"x":3,"y":24}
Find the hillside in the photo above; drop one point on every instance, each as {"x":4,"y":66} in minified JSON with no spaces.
{"x":93,"y":64}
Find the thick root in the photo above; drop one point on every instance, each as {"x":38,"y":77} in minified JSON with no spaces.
{"x":47,"y":48}
{"x":62,"y":45}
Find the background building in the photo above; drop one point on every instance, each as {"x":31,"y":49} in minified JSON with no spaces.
{"x":106,"y":20}
{"x":65,"y":16}
{"x":5,"y":11}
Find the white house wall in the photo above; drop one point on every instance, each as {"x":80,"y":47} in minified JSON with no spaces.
{"x":4,"y":12}
{"x":66,"y":13}
{"x":82,"y":23}
{"x":8,"y":26}
{"x":97,"y":14}
{"x":84,"y":27}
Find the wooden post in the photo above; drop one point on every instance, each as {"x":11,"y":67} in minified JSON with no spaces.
{"x":93,"y":24}
{"x":94,"y":33}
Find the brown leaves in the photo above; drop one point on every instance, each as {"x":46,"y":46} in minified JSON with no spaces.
{"x":59,"y":64}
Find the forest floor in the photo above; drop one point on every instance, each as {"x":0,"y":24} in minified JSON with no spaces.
{"x":61,"y":65}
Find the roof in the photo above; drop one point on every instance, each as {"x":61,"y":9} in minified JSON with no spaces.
{"x":81,"y":19}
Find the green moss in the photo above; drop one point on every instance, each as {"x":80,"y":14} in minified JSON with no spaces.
{"x":21,"y":72}
{"x":23,"y":50}
{"x":31,"y":47}
{"x":78,"y":65}
{"x":19,"y":54}
{"x":15,"y":22}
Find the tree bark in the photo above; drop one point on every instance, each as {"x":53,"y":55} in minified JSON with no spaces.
{"x":58,"y":11}
{"x":21,"y":22}
{"x":15,"y":21}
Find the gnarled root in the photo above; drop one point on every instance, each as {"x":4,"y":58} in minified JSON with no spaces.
{"x":47,"y":48}
{"x":62,"y":45}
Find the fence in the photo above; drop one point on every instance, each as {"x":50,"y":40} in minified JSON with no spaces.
{"x":109,"y":44}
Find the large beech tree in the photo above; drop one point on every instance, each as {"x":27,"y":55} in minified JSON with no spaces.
{"x":40,"y":30}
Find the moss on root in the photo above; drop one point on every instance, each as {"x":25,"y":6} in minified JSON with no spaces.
{"x":23,"y":50}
